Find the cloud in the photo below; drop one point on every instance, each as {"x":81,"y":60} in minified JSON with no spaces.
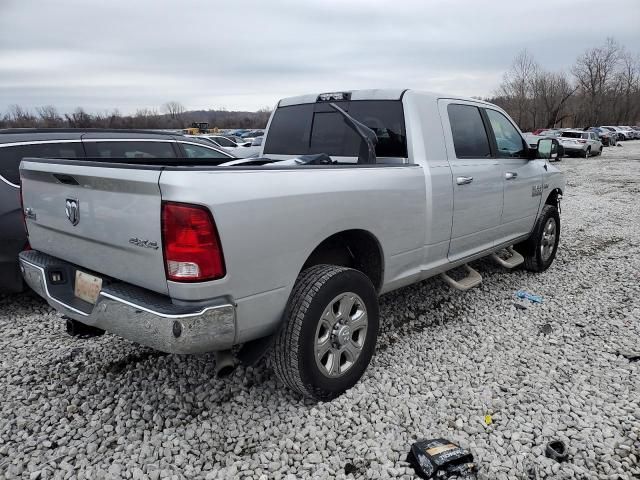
{"x":247,"y":54}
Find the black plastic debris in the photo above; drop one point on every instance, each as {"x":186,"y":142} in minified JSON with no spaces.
{"x":519,"y":306}
{"x":631,"y":356}
{"x":556,"y":450}
{"x":439,"y":458}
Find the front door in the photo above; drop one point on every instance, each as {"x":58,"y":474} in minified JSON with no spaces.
{"x":477,"y":179}
{"x":522,"y":178}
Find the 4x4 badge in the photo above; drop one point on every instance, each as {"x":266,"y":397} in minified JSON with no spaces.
{"x":72,"y":209}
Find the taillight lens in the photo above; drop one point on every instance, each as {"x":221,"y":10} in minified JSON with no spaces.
{"x":192,"y":249}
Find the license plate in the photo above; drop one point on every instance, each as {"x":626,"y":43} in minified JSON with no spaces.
{"x":87,"y":287}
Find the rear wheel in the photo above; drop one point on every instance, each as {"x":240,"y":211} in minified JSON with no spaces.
{"x":330,"y":332}
{"x":539,"y":250}
{"x":587,"y":152}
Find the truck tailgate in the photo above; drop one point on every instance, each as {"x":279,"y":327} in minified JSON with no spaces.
{"x":115,"y":230}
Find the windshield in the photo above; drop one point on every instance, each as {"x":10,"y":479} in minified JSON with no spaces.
{"x":317,"y":128}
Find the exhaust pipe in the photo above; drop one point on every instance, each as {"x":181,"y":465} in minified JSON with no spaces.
{"x":225,"y":363}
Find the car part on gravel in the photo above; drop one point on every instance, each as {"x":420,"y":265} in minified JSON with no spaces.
{"x":556,"y":450}
{"x":440,"y":458}
{"x":472,"y":279}
{"x":78,"y":329}
{"x":631,"y":356}
{"x":529,"y":296}
{"x":330,"y":331}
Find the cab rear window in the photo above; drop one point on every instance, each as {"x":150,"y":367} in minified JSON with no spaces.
{"x":317,"y":128}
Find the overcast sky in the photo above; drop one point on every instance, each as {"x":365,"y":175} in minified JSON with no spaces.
{"x":244,"y":55}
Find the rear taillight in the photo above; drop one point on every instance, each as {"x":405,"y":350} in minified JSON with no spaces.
{"x":192,"y":249}
{"x":582,"y":141}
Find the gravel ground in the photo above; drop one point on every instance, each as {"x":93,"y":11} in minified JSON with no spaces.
{"x":107,"y":408}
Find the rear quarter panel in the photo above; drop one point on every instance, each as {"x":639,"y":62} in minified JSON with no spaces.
{"x":270,"y":221}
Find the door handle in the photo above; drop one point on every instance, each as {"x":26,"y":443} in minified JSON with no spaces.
{"x":464,"y":180}
{"x":510,"y":176}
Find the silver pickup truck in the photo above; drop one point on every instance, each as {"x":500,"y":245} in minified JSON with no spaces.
{"x":354,"y":194}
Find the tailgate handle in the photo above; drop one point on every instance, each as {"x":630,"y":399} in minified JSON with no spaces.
{"x":66,"y":179}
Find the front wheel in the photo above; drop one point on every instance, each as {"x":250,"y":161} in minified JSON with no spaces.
{"x":539,"y":250}
{"x":330,"y":332}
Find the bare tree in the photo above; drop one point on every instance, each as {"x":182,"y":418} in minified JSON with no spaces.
{"x":80,"y":119}
{"x":627,"y":87}
{"x":20,"y":117}
{"x":594,"y":71}
{"x":517,"y":85}
{"x":552,"y":91}
{"x":175,"y":110}
{"x":49,"y":117}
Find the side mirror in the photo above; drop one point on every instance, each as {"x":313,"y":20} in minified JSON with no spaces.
{"x":549,"y":149}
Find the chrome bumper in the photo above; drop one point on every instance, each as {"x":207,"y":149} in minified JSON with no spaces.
{"x":133,"y":313}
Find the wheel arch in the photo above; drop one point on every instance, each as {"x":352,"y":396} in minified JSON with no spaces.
{"x":356,"y":248}
{"x":554,"y":197}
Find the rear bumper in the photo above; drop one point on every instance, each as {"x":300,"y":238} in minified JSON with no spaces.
{"x":572,"y":149}
{"x":134,"y":313}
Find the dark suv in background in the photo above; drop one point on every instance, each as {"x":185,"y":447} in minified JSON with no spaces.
{"x":94,"y":144}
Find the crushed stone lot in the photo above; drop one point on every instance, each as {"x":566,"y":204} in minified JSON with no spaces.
{"x":562,"y":369}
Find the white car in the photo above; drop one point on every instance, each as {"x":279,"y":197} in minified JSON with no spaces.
{"x":632,"y":133}
{"x":623,"y":133}
{"x":228,"y":145}
{"x":580,"y":143}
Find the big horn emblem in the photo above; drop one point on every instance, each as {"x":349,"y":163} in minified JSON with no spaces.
{"x":72,"y":208}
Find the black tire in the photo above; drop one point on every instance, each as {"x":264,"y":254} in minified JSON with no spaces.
{"x":293,"y":354}
{"x":587,"y":152}
{"x":531,"y":249}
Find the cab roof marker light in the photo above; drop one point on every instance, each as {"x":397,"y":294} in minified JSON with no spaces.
{"x":335,"y":96}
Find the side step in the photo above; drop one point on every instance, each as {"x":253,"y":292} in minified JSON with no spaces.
{"x":513,"y":261}
{"x":472,"y":279}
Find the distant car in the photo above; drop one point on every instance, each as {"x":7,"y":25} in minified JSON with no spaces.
{"x":632,"y":132}
{"x":228,"y":145}
{"x":623,"y":134}
{"x":607,"y":137}
{"x":241,"y":142}
{"x":580,"y":144}
{"x":96,"y":145}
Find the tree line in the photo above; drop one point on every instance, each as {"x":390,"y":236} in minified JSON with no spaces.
{"x":602,"y":87}
{"x":172,"y":115}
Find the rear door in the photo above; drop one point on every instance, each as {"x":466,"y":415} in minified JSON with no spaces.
{"x":477,"y":179}
{"x":522,"y":177}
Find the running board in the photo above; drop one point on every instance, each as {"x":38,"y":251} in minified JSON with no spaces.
{"x":513,"y":261}
{"x":472,"y":279}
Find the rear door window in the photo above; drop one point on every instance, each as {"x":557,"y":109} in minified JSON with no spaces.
{"x":10,"y":157}
{"x":469,"y":134}
{"x":318,"y":128}
{"x":129,"y":149}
